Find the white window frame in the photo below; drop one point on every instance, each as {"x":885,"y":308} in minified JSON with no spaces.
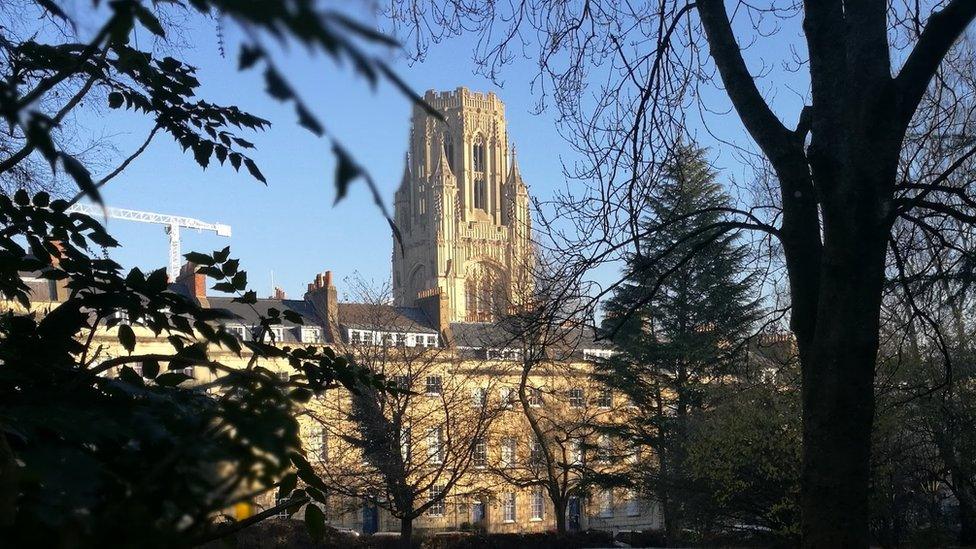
{"x":439,"y":385}
{"x":577,"y":397}
{"x":535,"y":397}
{"x":237,"y":330}
{"x":578,"y":451}
{"x":606,"y":504}
{"x":538,"y":506}
{"x":597,"y":354}
{"x":479,"y":397}
{"x":480,"y":455}
{"x":439,"y":508}
{"x":508,"y":507}
{"x":509,"y":450}
{"x":311,"y":334}
{"x":435,"y":445}
{"x":604,"y":399}
{"x":507,"y":396}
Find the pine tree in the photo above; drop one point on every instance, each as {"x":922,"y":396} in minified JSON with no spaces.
{"x":678,"y":319}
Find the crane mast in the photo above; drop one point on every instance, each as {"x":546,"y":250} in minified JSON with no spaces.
{"x":171,"y":223}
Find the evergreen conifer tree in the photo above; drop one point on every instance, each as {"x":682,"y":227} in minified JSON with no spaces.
{"x":685,"y":308}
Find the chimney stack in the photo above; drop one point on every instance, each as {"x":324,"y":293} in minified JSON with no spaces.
{"x":192,"y":284}
{"x":279,"y":293}
{"x":324,"y":298}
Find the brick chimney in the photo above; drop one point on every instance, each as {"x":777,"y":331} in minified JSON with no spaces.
{"x":279,"y":293}
{"x":324,"y":298}
{"x":437,"y":307}
{"x":192,"y":284}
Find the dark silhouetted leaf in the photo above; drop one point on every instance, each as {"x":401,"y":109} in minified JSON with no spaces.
{"x":127,"y":337}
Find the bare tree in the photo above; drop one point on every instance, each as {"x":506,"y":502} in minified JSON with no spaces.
{"x":405,"y":451}
{"x":866,"y":66}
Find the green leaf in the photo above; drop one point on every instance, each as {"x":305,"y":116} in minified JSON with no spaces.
{"x":148,"y":20}
{"x":287,"y":485}
{"x":277,"y":87}
{"x":308,"y":121}
{"x":150,"y":369}
{"x":82,"y":178}
{"x":171,"y":379}
{"x":346,"y":171}
{"x":248,"y":57}
{"x":222,"y":255}
{"x":198,"y":258}
{"x":250,"y":297}
{"x":255,"y":172}
{"x":42,"y":199}
{"x":115,"y":100}
{"x":315,"y":521}
{"x":127,"y":337}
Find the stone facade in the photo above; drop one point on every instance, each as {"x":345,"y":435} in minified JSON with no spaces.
{"x":462,"y":209}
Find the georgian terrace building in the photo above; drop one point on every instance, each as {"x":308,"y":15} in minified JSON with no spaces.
{"x":463,"y":211}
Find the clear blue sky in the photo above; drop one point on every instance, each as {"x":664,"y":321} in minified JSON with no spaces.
{"x":290,"y":227}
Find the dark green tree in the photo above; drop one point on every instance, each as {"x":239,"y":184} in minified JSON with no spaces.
{"x":678,"y":323}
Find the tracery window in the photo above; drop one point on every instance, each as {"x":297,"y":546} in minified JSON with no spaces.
{"x":478,"y":157}
{"x":484,"y":292}
{"x":480,"y":193}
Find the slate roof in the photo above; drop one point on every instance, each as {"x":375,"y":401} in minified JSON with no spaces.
{"x":494,"y":335}
{"x":385,"y":318}
{"x":248,"y":315}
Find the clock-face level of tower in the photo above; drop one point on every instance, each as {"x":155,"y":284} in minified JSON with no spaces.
{"x":462,"y":210}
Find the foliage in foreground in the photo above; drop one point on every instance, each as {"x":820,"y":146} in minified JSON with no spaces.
{"x":100,"y":450}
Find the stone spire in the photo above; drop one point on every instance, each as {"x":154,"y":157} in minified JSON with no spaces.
{"x":443,"y":169}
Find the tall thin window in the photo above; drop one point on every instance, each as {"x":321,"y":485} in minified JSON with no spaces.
{"x":435,"y":445}
{"x":508,"y":452}
{"x":606,"y":503}
{"x":480,"y":193}
{"x":437,"y":509}
{"x":480,"y":453}
{"x":478,"y":157}
{"x":449,"y":150}
{"x":538,"y":503}
{"x":508,"y":507}
{"x":536,"y":455}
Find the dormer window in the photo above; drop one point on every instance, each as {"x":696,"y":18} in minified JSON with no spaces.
{"x":238,"y":331}
{"x":311,"y":335}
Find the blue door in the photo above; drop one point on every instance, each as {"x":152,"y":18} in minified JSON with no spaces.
{"x":573,"y":510}
{"x":371,"y":519}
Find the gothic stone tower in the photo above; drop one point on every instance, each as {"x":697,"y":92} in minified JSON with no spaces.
{"x":463,"y":210}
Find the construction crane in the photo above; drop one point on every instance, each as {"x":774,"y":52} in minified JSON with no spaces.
{"x":172,"y":224}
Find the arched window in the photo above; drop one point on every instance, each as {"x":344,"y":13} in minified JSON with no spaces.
{"x":449,"y":150}
{"x":484,"y":292}
{"x":478,"y":157}
{"x":480,"y":193}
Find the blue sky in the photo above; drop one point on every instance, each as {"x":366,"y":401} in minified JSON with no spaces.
{"x":290,"y":227}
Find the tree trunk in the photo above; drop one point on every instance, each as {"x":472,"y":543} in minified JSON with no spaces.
{"x":838,"y":383}
{"x":967,"y":522}
{"x":406,"y":532}
{"x":559,"y":507}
